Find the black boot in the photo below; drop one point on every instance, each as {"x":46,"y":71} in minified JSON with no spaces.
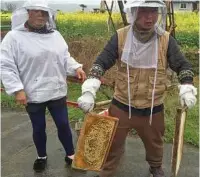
{"x":40,"y":165}
{"x":68,"y":161}
{"x":157,"y":171}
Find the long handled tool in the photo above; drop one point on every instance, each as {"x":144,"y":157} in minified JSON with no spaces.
{"x":98,"y":104}
{"x":79,"y":123}
{"x":177,"y":149}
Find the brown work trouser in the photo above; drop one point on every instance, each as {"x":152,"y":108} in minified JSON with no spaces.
{"x":152,"y":137}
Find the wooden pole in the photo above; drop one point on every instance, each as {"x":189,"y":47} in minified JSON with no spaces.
{"x":177,"y":148}
{"x":110,"y":15}
{"x":123,"y":15}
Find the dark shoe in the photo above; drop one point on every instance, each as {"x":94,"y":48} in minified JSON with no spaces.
{"x":157,"y":171}
{"x":68,"y":161}
{"x":40,"y":165}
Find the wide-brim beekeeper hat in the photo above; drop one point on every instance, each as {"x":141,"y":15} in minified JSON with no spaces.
{"x":20,"y":15}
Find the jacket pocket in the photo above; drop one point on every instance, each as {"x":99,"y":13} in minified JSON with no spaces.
{"x":160,"y":87}
{"x":122,"y":85}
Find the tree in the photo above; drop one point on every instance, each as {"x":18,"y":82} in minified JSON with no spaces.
{"x":83,"y":6}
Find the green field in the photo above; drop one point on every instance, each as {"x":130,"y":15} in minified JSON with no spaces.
{"x":86,"y":24}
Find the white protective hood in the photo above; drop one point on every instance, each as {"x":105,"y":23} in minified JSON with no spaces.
{"x":20,"y":15}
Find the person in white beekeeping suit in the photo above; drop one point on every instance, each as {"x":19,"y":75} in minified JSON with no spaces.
{"x":142,"y":52}
{"x":35,"y":63}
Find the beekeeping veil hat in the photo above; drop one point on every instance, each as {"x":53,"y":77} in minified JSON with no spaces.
{"x":131,"y":9}
{"x":20,"y":15}
{"x":143,"y":54}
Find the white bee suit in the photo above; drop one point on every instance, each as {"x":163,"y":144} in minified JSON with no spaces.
{"x":37,"y":63}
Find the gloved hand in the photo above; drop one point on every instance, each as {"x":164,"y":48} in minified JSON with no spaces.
{"x":89,"y":89}
{"x":86,"y":102}
{"x":187,"y":95}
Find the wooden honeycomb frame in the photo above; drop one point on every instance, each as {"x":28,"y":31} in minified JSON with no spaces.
{"x":94,"y":141}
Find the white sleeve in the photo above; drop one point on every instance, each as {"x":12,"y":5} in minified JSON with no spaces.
{"x":71,"y":64}
{"x":91,"y":85}
{"x":9,"y":71}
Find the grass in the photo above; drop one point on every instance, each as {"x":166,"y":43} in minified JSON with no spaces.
{"x":83,"y":24}
{"x":187,"y":30}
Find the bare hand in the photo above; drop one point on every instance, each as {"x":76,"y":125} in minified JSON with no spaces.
{"x":20,"y":97}
{"x":80,"y":74}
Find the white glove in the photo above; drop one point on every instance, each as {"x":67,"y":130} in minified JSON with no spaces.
{"x":86,"y":102}
{"x":89,"y":89}
{"x":187,"y":95}
{"x":91,"y":85}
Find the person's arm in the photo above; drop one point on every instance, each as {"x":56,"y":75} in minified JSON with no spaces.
{"x":106,"y":59}
{"x":73,"y":68}
{"x":9,"y":71}
{"x":179,"y":63}
{"x":71,"y":65}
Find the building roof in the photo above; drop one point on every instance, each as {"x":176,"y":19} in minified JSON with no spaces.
{"x":185,"y":1}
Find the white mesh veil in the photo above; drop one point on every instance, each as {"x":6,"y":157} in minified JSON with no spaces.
{"x":131,"y":6}
{"x":133,"y":47}
{"x":20,"y":15}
